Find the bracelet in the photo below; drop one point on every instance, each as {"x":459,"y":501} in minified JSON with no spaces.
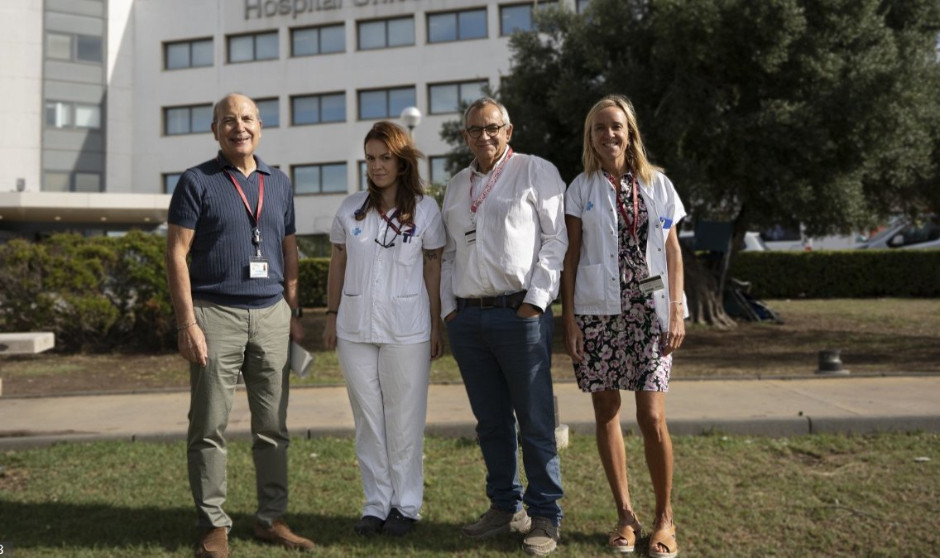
{"x":679,"y":302}
{"x":328,"y":312}
{"x":185,"y":326}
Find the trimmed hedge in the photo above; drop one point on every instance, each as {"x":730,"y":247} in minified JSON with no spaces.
{"x":95,"y":294}
{"x":840,"y":273}
{"x":312,"y":275}
{"x":110,"y":294}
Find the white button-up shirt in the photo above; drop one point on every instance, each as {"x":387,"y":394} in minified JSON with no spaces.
{"x":384,"y":297}
{"x":520,"y":235}
{"x":597,"y":284}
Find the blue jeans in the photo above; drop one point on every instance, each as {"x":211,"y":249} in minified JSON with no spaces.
{"x":505,"y":362}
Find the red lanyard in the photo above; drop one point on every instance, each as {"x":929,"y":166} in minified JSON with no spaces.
{"x":388,"y":220}
{"x":409,"y":230}
{"x":475,"y":203}
{"x":255,"y":217}
{"x":622,"y":207}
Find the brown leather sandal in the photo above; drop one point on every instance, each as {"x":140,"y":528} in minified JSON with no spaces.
{"x":623,"y":538}
{"x":666,"y":537}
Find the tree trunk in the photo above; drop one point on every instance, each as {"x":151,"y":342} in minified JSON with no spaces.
{"x":706,"y":306}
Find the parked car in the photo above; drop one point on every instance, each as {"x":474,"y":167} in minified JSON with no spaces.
{"x":752,"y":242}
{"x":906,"y":234}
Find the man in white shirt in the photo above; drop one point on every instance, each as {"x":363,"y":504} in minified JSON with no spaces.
{"x":501,"y":270}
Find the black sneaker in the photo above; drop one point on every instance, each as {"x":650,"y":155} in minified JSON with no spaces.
{"x":369,"y":526}
{"x":397,"y":525}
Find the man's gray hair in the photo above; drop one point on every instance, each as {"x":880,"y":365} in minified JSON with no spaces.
{"x":482,"y":102}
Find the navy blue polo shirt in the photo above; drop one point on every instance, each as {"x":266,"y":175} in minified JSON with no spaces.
{"x":206,"y":201}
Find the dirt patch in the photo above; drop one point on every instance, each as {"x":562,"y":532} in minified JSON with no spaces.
{"x":886,"y":336}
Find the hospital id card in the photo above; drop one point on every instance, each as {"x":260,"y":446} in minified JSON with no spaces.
{"x":258,"y":268}
{"x":651,"y":284}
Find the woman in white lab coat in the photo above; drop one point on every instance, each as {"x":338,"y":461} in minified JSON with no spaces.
{"x":383,"y":308}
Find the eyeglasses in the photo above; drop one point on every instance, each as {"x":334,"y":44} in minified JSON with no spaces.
{"x":491,"y":130}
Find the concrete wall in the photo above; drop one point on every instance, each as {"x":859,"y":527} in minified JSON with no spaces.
{"x":21,"y":94}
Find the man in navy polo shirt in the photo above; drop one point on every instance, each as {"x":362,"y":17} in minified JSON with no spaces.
{"x":237,"y":309}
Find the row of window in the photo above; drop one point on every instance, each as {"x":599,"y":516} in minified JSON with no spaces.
{"x":324,"y":108}
{"x":73,"y":47}
{"x":462,"y":25}
{"x":68,"y":114}
{"x":330,"y":178}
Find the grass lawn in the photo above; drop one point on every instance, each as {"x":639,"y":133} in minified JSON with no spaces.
{"x":881,"y":336}
{"x":734,"y":496}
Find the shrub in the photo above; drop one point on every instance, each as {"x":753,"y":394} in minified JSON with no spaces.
{"x":313,"y":274}
{"x":841,"y":273}
{"x":95,"y":294}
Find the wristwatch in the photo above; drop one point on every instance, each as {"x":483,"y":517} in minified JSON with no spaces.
{"x":297,"y":312}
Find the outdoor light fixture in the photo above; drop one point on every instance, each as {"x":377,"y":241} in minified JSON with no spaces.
{"x":411,"y":117}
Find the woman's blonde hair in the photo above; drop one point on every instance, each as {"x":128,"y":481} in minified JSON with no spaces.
{"x":410,"y":187}
{"x":636,"y":153}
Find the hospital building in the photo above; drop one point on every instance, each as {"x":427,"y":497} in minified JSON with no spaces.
{"x":107,"y":102}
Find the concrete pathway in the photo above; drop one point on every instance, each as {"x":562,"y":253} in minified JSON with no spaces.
{"x":778,"y":407}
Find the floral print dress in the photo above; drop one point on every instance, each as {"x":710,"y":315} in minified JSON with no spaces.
{"x":624,"y":351}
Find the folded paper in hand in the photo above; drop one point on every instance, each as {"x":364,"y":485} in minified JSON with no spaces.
{"x":300,"y":360}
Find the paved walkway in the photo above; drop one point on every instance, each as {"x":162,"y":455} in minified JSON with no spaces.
{"x":775,"y":407}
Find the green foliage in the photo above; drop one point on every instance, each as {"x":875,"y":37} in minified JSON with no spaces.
{"x":841,"y":274}
{"x":95,"y":294}
{"x":313,"y":274}
{"x":820,"y":112}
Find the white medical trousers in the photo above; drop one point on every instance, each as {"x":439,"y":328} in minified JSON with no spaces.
{"x":388,"y":392}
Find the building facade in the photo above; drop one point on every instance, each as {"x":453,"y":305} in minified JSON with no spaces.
{"x":111,"y":97}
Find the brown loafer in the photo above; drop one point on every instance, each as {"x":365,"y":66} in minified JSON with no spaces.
{"x":280,"y":534}
{"x":213,"y":544}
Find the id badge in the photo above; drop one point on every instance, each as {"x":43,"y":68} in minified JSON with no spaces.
{"x":258,"y":268}
{"x":650,"y":284}
{"x":470,"y":237}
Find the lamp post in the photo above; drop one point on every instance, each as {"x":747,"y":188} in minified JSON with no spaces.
{"x":411,"y":117}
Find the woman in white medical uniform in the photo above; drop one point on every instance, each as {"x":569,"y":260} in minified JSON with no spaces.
{"x":383,"y":303}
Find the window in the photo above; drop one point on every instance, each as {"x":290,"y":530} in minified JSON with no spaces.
{"x":328,"y":178}
{"x":58,"y":181}
{"x":383,"y":33}
{"x":363,"y":176}
{"x":518,"y":17}
{"x":447,"y":97}
{"x":457,"y":26}
{"x":75,"y":48}
{"x":86,"y":182}
{"x":187,"y":54}
{"x":248,"y":48}
{"x":318,"y":109}
{"x":581,"y":5}
{"x":88,"y":48}
{"x":58,"y":46}
{"x":187,"y":120}
{"x":318,"y":40}
{"x":385,"y":103}
{"x":170,"y":179}
{"x":438,"y":168}
{"x":269,"y":111}
{"x":62,"y":114}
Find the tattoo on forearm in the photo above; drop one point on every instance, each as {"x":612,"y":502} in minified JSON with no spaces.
{"x":430,"y":255}
{"x":339,"y":247}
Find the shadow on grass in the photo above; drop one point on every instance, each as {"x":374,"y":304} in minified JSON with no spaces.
{"x":83,"y":527}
